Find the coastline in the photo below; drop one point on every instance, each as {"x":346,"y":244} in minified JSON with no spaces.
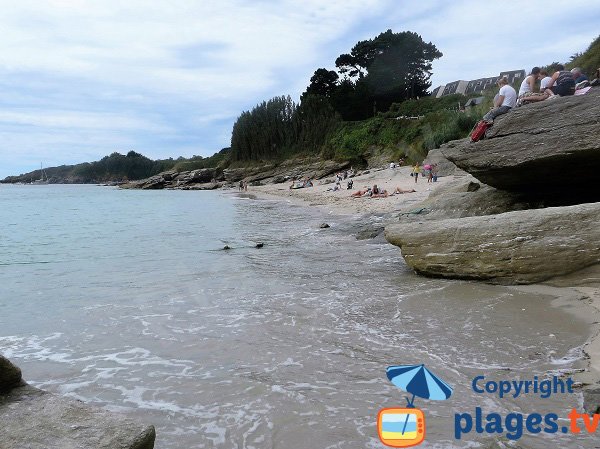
{"x":582,"y":302}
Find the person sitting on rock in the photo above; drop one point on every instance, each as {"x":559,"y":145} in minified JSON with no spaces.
{"x":545,"y":83}
{"x":562,"y":83}
{"x":504,"y":102}
{"x":578,"y":75}
{"x":527,"y":91}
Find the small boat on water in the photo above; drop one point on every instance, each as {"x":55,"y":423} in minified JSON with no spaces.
{"x":43,"y":177}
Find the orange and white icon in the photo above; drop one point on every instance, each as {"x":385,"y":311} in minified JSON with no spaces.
{"x":401,"y":427}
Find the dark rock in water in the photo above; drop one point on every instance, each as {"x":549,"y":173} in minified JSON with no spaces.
{"x":259,"y":245}
{"x":226,"y":247}
{"x":324,"y":226}
{"x":538,"y":149}
{"x":519,"y":247}
{"x":10,"y":375}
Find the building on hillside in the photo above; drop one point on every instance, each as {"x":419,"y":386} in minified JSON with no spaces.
{"x":481,"y":84}
{"x":476,"y":86}
{"x":513,"y":75}
{"x":455,"y":87}
{"x":438,"y":91}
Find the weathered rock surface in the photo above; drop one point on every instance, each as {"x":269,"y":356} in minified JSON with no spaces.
{"x":514,"y":247}
{"x":538,"y":148}
{"x":34,"y":419}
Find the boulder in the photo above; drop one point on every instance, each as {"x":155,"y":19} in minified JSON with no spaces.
{"x":10,"y":375}
{"x":445,"y":167}
{"x":518,"y":247}
{"x":34,"y":419}
{"x":539,"y":148}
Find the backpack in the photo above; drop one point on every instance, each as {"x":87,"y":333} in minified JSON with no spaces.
{"x":479,"y":130}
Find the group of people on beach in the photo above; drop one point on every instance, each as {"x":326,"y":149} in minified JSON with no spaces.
{"x":301,"y":183}
{"x":379,"y":192}
{"x":243,"y":186}
{"x":429,"y":170}
{"x":561,"y":83}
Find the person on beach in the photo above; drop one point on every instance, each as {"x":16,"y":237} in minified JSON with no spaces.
{"x":527,"y":91}
{"x":434,"y":172}
{"x":241,"y":186}
{"x":381,"y":193}
{"x":504,"y":101}
{"x":415,"y":171}
{"x":360,"y":193}
{"x":563,"y":83}
{"x":350,"y":184}
{"x":399,"y":191}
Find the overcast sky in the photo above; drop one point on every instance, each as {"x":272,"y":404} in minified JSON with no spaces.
{"x":81,"y":79}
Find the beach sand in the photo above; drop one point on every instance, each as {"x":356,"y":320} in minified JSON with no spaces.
{"x":340,"y":202}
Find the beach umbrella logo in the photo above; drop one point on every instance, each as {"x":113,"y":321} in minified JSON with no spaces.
{"x":405,"y":426}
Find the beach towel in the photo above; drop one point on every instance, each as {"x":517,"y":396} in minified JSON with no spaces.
{"x":583,"y":91}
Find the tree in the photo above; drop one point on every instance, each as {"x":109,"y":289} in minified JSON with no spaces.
{"x":323,"y":82}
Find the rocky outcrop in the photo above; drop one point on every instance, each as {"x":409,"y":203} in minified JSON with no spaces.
{"x":201,"y":179}
{"x":528,"y":210}
{"x":515,"y":247}
{"x":445,"y":167}
{"x":538,"y":149}
{"x":209,"y":178}
{"x":34,"y":419}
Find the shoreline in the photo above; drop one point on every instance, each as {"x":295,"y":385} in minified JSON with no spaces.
{"x":582,"y":302}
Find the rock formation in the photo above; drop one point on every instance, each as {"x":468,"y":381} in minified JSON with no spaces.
{"x":514,"y":247}
{"x":34,"y":419}
{"x":211,"y":178}
{"x":530,"y":210}
{"x":538,"y":149}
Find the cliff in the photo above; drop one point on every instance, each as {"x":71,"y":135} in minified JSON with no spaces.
{"x":530,"y":210}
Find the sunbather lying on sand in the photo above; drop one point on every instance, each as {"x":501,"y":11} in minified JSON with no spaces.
{"x":400,"y":190}
{"x":360,"y":193}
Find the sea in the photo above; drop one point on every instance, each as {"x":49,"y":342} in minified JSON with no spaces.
{"x":126,"y":299}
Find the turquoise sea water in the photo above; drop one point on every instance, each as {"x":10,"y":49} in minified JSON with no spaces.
{"x":125,"y":299}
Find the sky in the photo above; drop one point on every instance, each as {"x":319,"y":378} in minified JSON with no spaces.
{"x":82,"y":79}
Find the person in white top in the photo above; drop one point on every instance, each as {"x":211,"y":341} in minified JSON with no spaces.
{"x":528,"y":84}
{"x":546,"y":81}
{"x":504,"y":101}
{"x":528,"y":92}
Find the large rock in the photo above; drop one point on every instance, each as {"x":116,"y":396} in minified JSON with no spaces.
{"x":35,"y":419}
{"x":10,"y":375}
{"x":517,"y":247}
{"x":544,"y":148}
{"x":445,"y":167}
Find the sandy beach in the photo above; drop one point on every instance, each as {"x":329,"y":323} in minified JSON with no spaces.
{"x":341,"y":202}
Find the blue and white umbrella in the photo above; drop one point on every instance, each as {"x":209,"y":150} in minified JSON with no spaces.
{"x":419,"y":381}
